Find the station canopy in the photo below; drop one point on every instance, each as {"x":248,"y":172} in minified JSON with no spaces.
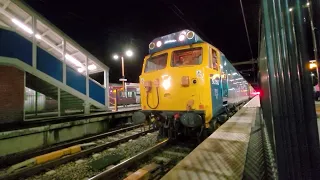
{"x":18,"y":17}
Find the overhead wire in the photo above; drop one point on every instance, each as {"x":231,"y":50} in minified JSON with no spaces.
{"x":248,"y":37}
{"x":245,"y":25}
{"x":180,"y":14}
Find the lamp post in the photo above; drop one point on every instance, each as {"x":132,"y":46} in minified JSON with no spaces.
{"x":128,"y":53}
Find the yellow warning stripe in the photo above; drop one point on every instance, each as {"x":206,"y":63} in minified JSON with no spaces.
{"x":57,"y":154}
{"x":141,"y":174}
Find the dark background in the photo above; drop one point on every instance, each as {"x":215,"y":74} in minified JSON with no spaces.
{"x":105,"y":27}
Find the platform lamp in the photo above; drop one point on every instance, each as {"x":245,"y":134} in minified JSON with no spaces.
{"x":128,"y":53}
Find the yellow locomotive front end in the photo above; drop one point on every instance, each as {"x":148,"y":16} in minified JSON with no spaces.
{"x":172,"y":80}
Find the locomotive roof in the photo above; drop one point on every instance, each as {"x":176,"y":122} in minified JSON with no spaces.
{"x":181,"y":38}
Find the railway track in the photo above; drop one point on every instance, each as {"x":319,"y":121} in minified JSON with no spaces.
{"x":97,"y":144}
{"x":151,"y":163}
{"x":13,"y":159}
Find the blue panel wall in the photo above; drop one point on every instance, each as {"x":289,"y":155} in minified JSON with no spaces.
{"x":15,"y":46}
{"x":96,"y":92}
{"x":49,"y":64}
{"x":76,"y":80}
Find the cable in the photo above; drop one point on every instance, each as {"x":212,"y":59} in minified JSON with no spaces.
{"x":245,"y":24}
{"x":180,"y":14}
{"x":157,"y":98}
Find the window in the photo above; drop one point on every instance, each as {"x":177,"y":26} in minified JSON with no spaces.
{"x":187,"y":57}
{"x":122,"y":94}
{"x":214,"y":60}
{"x":129,"y":94}
{"x":156,"y":63}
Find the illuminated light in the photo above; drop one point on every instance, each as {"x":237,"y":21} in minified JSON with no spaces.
{"x":234,"y":73}
{"x":129,"y":53}
{"x":38,"y":36}
{"x":151,"y":45}
{"x":22,"y":26}
{"x":290,"y":9}
{"x":312,"y":65}
{"x":225,"y":63}
{"x":308,"y":4}
{"x":92,"y":67}
{"x":80,"y":70}
{"x":182,"y":37}
{"x":256,"y":93}
{"x":73,"y":60}
{"x":190,"y":35}
{"x":166,"y":84}
{"x":159,"y":43}
{"x":170,"y":41}
{"x":115,"y":56}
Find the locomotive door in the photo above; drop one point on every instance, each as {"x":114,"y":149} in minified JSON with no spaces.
{"x":215,"y":84}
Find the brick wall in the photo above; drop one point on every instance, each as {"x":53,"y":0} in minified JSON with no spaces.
{"x":11,"y":94}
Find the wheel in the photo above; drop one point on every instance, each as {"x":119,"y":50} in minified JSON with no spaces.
{"x":216,"y":124}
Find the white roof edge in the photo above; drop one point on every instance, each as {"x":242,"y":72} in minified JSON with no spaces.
{"x":33,"y":12}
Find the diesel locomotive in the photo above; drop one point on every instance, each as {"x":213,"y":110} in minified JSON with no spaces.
{"x":188,"y":86}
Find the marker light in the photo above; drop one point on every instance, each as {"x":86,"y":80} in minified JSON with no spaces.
{"x":22,"y":26}
{"x":182,"y":37}
{"x":92,"y":67}
{"x":159,"y":43}
{"x":151,"y":45}
{"x":190,"y":35}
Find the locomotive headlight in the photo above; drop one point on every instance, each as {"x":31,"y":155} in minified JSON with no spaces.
{"x":159,"y":43}
{"x":151,"y":45}
{"x":166,"y":83}
{"x":190,"y":35}
{"x":182,"y":37}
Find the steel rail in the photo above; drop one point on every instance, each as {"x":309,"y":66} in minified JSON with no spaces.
{"x":27,"y":172}
{"x":115,"y":169}
{"x":13,"y":159}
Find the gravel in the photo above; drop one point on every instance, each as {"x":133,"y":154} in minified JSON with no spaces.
{"x":74,"y":170}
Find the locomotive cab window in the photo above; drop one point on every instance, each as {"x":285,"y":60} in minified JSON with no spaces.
{"x":156,"y":63}
{"x":187,"y":57}
{"x":214,"y":59}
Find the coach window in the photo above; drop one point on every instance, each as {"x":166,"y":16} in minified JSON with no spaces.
{"x":214,"y":60}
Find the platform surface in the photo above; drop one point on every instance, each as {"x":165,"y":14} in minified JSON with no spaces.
{"x":223,"y":154}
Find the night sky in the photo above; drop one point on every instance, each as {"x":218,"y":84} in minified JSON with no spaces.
{"x":106,"y":27}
